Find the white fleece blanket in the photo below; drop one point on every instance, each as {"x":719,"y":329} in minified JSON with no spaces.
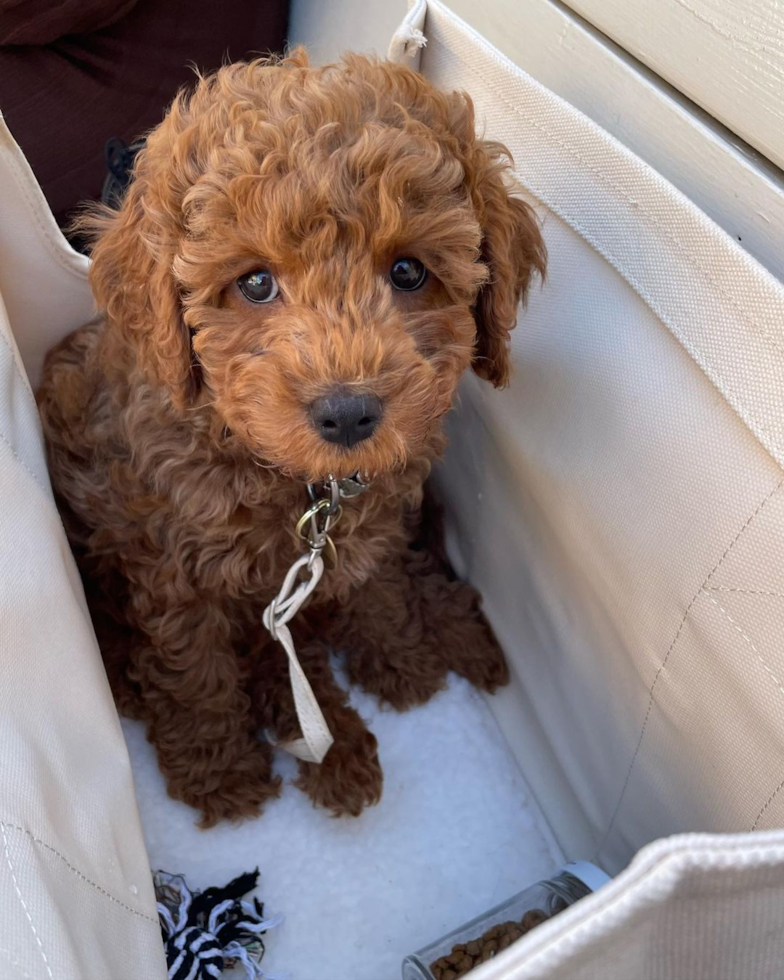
{"x":455,"y":833}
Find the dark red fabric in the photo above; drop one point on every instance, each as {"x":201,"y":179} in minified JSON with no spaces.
{"x":64,"y":99}
{"x":44,"y":21}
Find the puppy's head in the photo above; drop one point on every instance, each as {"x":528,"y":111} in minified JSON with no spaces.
{"x":318,"y":254}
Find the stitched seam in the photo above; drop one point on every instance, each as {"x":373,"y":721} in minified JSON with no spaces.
{"x":693,"y":260}
{"x":658,"y":674}
{"x":746,"y":638}
{"x":778,"y":789}
{"x":724,"y":588}
{"x":84,"y":878}
{"x":23,"y":903}
{"x":773,"y":796}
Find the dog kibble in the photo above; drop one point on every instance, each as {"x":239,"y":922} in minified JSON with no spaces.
{"x":533,"y":918}
{"x":465,"y":956}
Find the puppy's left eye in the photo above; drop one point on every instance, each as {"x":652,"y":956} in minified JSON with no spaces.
{"x":259,"y":286}
{"x":407,"y":274}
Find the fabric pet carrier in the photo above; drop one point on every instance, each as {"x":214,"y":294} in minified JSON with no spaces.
{"x":621,"y":509}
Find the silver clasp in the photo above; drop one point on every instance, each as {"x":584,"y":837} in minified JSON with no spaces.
{"x":324,"y":512}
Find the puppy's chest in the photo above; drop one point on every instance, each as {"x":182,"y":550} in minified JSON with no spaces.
{"x":249,"y":556}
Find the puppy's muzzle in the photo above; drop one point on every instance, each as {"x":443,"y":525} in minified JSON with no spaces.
{"x":346,"y":419}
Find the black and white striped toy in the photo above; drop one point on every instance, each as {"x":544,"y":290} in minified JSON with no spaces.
{"x":208,"y":932}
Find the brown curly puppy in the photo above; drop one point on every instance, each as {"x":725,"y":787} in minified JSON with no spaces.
{"x":306,"y":262}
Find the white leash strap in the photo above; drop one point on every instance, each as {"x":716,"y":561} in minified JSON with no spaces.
{"x":317,"y":738}
{"x":313,"y":528}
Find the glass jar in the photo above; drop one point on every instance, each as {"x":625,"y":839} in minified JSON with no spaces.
{"x":479,"y":940}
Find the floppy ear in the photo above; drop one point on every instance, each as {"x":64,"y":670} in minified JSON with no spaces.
{"x":133,"y":282}
{"x":513,"y":250}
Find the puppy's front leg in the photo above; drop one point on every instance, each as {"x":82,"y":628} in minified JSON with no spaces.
{"x":197,"y":712}
{"x":408,"y":625}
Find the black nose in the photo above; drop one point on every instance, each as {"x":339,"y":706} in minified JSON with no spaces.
{"x":346,"y":419}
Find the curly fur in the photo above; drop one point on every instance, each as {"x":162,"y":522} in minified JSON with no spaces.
{"x":178,"y":430}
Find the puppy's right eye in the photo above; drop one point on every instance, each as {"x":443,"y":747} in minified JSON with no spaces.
{"x":407,"y":274}
{"x":259,"y":286}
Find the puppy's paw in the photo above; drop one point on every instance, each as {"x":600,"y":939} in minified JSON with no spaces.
{"x":485,"y":667}
{"x":349,"y":778}
{"x":401,"y":678}
{"x":467,"y":642}
{"x":239,"y":793}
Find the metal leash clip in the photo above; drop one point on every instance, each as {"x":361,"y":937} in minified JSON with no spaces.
{"x":314,"y":526}
{"x":345,"y":489}
{"x":324,"y":512}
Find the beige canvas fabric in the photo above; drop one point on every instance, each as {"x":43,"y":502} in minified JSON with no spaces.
{"x":695,"y":907}
{"x":76,"y":897}
{"x":621,"y":507}
{"x":43,"y":282}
